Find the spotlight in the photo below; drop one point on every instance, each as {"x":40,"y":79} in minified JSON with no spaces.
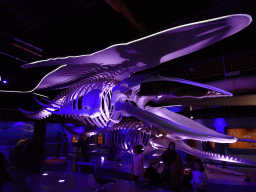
{"x":4,"y":81}
{"x":102,"y":160}
{"x":61,"y":181}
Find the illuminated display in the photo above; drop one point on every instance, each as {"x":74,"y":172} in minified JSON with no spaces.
{"x":100,"y":138}
{"x":104,"y":91}
{"x":74,"y":139}
{"x":247,"y":133}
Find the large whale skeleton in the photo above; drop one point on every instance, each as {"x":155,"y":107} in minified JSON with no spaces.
{"x":101,"y":89}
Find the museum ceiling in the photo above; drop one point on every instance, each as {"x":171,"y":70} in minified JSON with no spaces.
{"x":36,"y":30}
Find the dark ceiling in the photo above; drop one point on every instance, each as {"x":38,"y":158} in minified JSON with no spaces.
{"x":35,"y":30}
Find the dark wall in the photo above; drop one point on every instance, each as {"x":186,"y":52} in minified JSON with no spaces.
{"x":222,"y":124}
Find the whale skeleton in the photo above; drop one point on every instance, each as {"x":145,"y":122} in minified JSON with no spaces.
{"x":103,"y":90}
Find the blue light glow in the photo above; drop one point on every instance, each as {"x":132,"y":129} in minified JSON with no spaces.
{"x":220,"y":123}
{"x":80,"y":129}
{"x":4,"y":81}
{"x":69,"y":124}
{"x":18,"y":124}
{"x":175,"y":108}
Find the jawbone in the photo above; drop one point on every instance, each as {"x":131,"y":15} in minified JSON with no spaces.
{"x":178,"y":128}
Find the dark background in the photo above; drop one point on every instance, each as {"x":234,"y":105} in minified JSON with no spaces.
{"x":63,"y":28}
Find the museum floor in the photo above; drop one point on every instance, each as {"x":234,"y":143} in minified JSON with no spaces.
{"x":218,"y":182}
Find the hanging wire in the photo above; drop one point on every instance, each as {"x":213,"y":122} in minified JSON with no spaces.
{"x":226,"y":84}
{"x":223,"y":62}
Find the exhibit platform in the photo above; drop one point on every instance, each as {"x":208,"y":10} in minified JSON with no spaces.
{"x":24,"y":180}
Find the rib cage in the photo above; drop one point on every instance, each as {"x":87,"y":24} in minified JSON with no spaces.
{"x":127,"y":133}
{"x":72,"y":98}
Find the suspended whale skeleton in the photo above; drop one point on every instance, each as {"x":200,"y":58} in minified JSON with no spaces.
{"x":101,"y":89}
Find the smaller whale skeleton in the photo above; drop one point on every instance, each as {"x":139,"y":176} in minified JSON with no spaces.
{"x":102,"y":90}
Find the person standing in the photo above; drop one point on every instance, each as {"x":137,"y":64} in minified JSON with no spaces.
{"x":21,"y":144}
{"x":86,"y":149}
{"x":59,"y":142}
{"x":187,"y":177}
{"x":66,"y":145}
{"x":203,"y":144}
{"x":207,"y":147}
{"x":29,"y":150}
{"x":79,"y":144}
{"x":19,"y":159}
{"x":4,"y":175}
{"x":222,"y":151}
{"x":199,"y":178}
{"x":172,"y":174}
{"x":137,"y":170}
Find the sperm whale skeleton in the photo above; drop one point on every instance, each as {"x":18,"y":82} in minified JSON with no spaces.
{"x":102,"y":89}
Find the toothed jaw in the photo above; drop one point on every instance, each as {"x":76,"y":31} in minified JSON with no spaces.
{"x":202,"y":137}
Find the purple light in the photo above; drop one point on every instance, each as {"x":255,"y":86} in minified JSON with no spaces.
{"x":28,"y":44}
{"x":4,"y":81}
{"x":69,"y":124}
